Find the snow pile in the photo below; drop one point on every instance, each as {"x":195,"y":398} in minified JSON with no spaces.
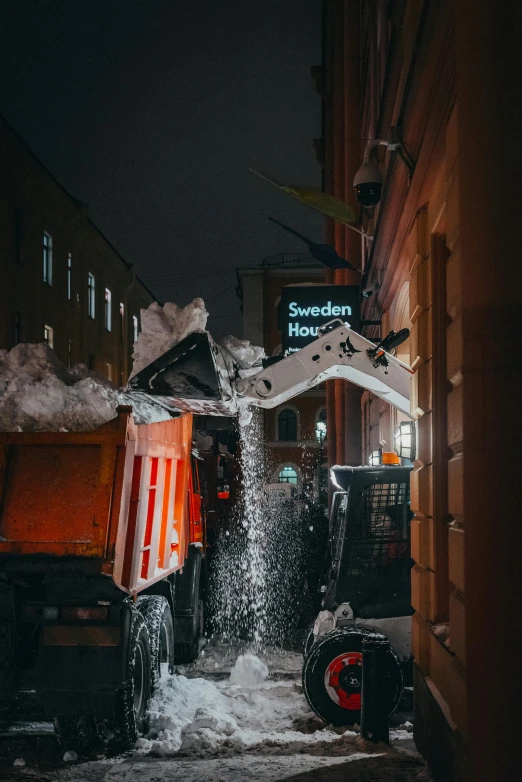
{"x":244,"y":354}
{"x":38,"y":393}
{"x":248,"y":671}
{"x":197,"y":717}
{"x":163,"y":327}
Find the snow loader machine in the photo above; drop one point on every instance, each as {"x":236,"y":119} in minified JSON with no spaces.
{"x":102,"y":544}
{"x":367,"y":575}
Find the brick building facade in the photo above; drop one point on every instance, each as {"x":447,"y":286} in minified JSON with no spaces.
{"x":61,"y":280}
{"x":445,"y":259}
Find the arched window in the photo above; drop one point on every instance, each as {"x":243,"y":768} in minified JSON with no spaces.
{"x":288,"y":475}
{"x":287,"y":425}
{"x":321,"y":429}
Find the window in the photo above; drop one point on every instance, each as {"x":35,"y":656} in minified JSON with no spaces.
{"x":320,"y":427}
{"x":135,"y":327}
{"x":69,"y":273}
{"x":287,"y":425}
{"x":288,"y":475}
{"x":49,"y":336}
{"x":69,"y":353}
{"x":47,"y":258}
{"x":122,"y":320}
{"x":108,"y":371}
{"x":17,"y":328}
{"x":91,"y":296}
{"x":108,"y":309}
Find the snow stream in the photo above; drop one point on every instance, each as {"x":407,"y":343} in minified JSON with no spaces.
{"x":258,"y":569}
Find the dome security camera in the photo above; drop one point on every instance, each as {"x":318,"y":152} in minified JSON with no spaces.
{"x":367,"y":184}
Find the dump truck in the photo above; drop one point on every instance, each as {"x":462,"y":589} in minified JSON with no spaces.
{"x":102,"y":545}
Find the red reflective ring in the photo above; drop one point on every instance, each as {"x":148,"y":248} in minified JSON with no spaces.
{"x":340,"y":696}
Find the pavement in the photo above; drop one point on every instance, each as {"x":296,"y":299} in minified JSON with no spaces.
{"x":377,"y":769}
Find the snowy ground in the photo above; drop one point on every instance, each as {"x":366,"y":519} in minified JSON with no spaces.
{"x":220,"y":719}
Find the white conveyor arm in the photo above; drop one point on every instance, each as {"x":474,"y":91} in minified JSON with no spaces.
{"x":338,"y":353}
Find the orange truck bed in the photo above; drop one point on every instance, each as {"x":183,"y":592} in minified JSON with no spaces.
{"x":122,"y":496}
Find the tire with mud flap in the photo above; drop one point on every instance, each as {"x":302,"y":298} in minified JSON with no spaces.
{"x":132,"y":702}
{"x":332,"y":677}
{"x":157,"y":614}
{"x":76,"y":733}
{"x":188,"y":652}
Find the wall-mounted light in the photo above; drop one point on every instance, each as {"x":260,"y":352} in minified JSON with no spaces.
{"x":375,"y":458}
{"x":405,"y":440}
{"x":320,"y":431}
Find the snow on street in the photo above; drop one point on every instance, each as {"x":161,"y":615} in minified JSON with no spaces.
{"x":222,"y":718}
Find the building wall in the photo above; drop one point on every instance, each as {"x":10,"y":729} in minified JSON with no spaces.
{"x":33,"y":202}
{"x":405,"y":57}
{"x":261,"y":291}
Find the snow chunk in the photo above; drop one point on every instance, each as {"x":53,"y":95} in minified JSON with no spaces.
{"x":248,"y":671}
{"x":19,"y":762}
{"x":162,"y":329}
{"x":38,"y":393}
{"x":243,"y":353}
{"x":70,"y":756}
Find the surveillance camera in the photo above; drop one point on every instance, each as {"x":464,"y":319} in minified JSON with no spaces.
{"x":367,"y":184}
{"x":371,"y":289}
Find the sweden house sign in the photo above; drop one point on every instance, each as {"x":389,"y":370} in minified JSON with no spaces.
{"x":303,"y":309}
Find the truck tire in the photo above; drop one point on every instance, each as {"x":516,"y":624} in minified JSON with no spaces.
{"x":332,"y":677}
{"x":157,"y":614}
{"x":189,"y":652}
{"x":76,"y":733}
{"x":132,"y":702}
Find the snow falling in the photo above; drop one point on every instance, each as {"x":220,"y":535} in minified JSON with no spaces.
{"x":258,"y":571}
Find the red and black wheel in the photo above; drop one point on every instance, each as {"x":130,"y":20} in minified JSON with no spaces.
{"x":332,"y":677}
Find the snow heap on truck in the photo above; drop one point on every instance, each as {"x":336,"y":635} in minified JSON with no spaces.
{"x":39,"y":393}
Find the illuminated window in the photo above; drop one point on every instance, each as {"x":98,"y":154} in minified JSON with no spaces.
{"x":320,"y":427}
{"x":287,"y":425}
{"x":47,"y":258}
{"x":122,"y":320}
{"x":69,"y":273}
{"x":108,"y":309}
{"x":91,"y":295}
{"x":108,"y":371}
{"x":49,"y":336}
{"x":288,"y":475}
{"x":135,"y":327}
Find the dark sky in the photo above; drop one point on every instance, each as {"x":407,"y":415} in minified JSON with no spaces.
{"x":152,"y":111}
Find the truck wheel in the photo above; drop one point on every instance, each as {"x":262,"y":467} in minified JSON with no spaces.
{"x":76,"y":733}
{"x":189,"y":652}
{"x":132,"y":701}
{"x":158,"y":618}
{"x":332,"y":677}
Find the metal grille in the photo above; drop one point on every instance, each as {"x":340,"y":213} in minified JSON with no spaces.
{"x":378,"y":528}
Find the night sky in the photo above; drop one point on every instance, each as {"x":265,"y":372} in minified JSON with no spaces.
{"x":151,"y":111}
